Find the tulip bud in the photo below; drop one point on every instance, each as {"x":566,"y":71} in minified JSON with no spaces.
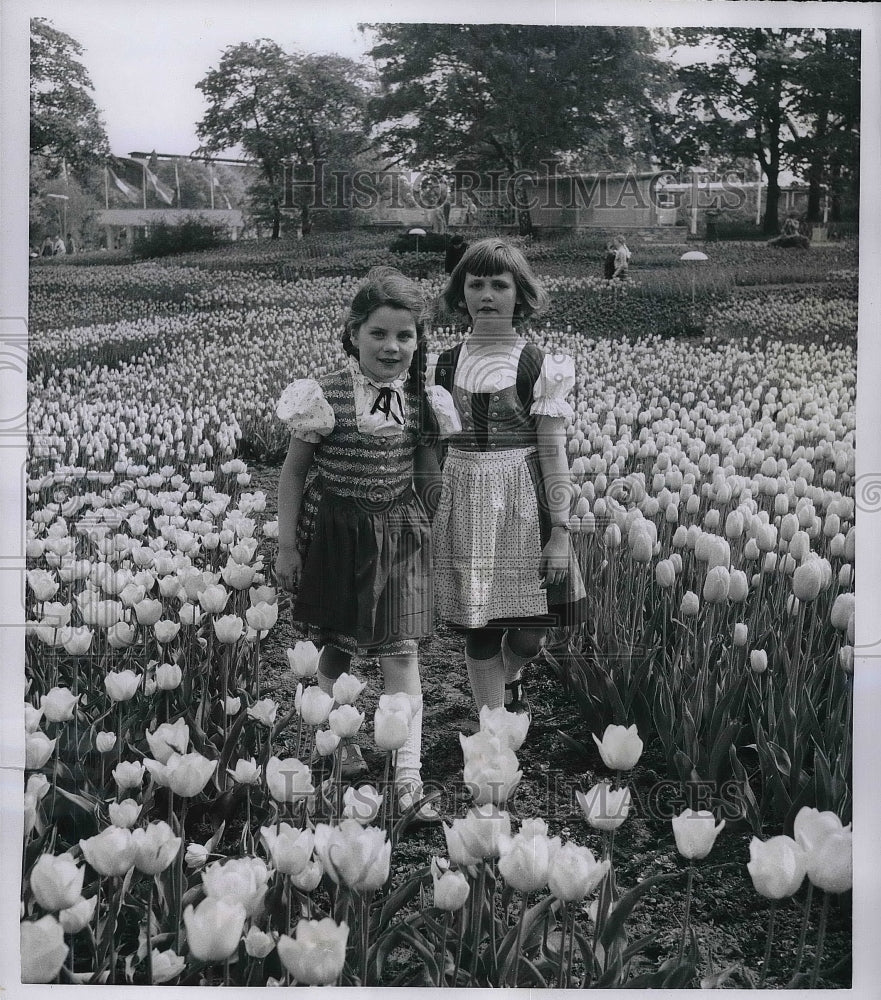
{"x":390,"y":729}
{"x":740,"y":634}
{"x":315,"y":706}
{"x":361,"y":804}
{"x":168,"y":676}
{"x":346,"y":689}
{"x":451,"y":888}
{"x":716,"y":585}
{"x":258,"y":944}
{"x":124,"y":814}
{"x":695,"y":833}
{"x":317,"y":953}
{"x":758,"y":661}
{"x":42,"y":949}
{"x":603,"y":807}
{"x":105,"y":741}
{"x":845,"y":659}
{"x":214,"y":929}
{"x":776,"y":866}
{"x":575,"y":873}
{"x":690,"y":605}
{"x":303,"y":660}
{"x":345,"y":721}
{"x":525,"y":860}
{"x":620,"y":747}
{"x":56,"y":882}
{"x":665,"y":574}
{"x":77,"y":917}
{"x":326,"y":742}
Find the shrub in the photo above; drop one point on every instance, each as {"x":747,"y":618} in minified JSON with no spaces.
{"x":191,"y":234}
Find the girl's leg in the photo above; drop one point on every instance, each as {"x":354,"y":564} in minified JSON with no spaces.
{"x":519,"y":646}
{"x":486,"y":669}
{"x":400,"y":672}
{"x":331,"y":663}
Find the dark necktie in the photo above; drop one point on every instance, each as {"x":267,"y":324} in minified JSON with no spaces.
{"x":384,"y":403}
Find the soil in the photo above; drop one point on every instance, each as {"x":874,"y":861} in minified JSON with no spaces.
{"x":729,"y":918}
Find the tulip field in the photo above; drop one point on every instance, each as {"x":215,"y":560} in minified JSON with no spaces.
{"x":678,"y":813}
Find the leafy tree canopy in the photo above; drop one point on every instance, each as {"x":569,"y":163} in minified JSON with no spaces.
{"x":281,"y":108}
{"x":65,"y":122}
{"x":508,"y":96}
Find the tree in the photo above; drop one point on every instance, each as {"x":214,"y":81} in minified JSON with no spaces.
{"x":65,"y":122}
{"x":827,"y":142}
{"x":509,"y":96}
{"x":746,"y":96}
{"x":280,"y":109}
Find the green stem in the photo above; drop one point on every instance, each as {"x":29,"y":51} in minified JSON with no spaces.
{"x":459,"y":947}
{"x":688,"y":888}
{"x":809,"y":895}
{"x":560,"y":980}
{"x":180,"y":871}
{"x":150,"y":933}
{"x":442,"y":953}
{"x":769,"y":943}
{"x":821,"y":940}
{"x":524,"y":907}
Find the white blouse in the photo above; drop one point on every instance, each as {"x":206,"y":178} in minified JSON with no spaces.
{"x":478,"y":373}
{"x":309,"y":416}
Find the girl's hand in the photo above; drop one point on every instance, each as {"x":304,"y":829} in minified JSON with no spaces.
{"x":554,"y":565}
{"x":288,"y":567}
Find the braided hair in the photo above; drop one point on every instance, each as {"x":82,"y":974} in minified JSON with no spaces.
{"x":387,"y":286}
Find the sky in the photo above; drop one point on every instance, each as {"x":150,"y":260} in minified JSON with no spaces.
{"x":145,"y":59}
{"x":146,"y":56}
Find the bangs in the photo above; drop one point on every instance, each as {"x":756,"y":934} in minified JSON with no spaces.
{"x":490,"y":258}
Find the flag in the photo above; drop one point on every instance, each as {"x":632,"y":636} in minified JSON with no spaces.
{"x":165,"y":193}
{"x":153,"y":162}
{"x":130,"y":193}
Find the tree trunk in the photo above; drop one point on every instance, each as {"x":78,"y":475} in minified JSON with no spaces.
{"x":770,"y":222}
{"x":276,"y":218}
{"x":815,"y":174}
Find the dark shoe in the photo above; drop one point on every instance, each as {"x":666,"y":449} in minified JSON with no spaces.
{"x":516,"y":700}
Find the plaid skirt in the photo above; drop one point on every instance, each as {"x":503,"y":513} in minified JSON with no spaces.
{"x":491,"y":525}
{"x":366,"y":580}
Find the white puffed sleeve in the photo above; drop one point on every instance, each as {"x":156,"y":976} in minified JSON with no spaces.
{"x":444,"y":409}
{"x":555,"y":381}
{"x":306,"y":412}
{"x":430,"y":368}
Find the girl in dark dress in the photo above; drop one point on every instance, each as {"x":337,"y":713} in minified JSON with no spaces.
{"x":354,"y":540}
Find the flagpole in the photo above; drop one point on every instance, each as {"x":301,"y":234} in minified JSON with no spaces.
{"x":144,"y":183}
{"x":211,"y":171}
{"x":177,"y":183}
{"x":106,"y":189}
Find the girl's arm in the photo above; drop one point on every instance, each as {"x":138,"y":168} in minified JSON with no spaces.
{"x":290,"y":497}
{"x":427,"y":478}
{"x":551,"y":442}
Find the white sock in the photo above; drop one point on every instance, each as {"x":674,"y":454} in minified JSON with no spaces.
{"x":487,"y":679}
{"x":408,"y":768}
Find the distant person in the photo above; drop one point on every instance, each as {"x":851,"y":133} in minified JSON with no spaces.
{"x":622,"y":259}
{"x":69,"y":243}
{"x":446,"y":208}
{"x":58,"y":247}
{"x":455,"y":251}
{"x":438,"y":223}
{"x":609,"y":261}
{"x":48,"y":247}
{"x":791,"y":236}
